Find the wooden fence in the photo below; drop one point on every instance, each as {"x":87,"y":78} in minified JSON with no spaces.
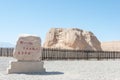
{"x":6,"y":52}
{"x":62,"y":54}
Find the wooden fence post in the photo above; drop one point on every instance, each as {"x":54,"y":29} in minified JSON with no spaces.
{"x":87,"y":55}
{"x":0,"y":51}
{"x":97,"y":55}
{"x":7,"y":52}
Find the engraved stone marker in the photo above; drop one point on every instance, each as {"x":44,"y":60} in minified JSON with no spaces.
{"x":28,"y":48}
{"x":28,"y":53}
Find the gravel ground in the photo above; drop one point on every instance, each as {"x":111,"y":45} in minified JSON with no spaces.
{"x":67,"y":70}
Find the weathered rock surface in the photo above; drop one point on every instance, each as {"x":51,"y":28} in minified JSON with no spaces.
{"x":28,"y":48}
{"x":28,"y":54}
{"x":72,"y":38}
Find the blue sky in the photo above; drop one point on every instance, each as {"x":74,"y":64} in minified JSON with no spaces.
{"x":102,"y":17}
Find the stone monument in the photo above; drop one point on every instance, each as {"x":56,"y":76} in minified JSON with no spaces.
{"x":28,"y":52}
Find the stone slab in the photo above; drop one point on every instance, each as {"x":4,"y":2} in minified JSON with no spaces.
{"x":25,"y":67}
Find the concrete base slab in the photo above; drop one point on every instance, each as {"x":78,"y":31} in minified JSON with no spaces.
{"x":25,"y":67}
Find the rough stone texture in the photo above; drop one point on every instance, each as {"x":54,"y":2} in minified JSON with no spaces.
{"x":28,"y":48}
{"x":25,"y":67}
{"x":27,"y":52}
{"x":110,"y":46}
{"x":72,"y":38}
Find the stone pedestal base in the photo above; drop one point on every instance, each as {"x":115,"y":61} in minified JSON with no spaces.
{"x":25,"y":67}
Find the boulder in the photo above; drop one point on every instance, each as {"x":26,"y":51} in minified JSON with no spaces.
{"x":28,"y":48}
{"x":72,"y":38}
{"x":28,"y":54}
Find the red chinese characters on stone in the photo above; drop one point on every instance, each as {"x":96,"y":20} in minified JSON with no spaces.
{"x":31,"y":48}
{"x":18,"y":52}
{"x":22,"y":53}
{"x":21,"y":42}
{"x":28,"y":50}
{"x":28,"y":53}
{"x":28,"y":43}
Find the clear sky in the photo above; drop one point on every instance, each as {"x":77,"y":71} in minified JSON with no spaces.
{"x":102,"y":17}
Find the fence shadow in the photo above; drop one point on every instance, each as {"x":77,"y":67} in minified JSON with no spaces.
{"x":43,"y":73}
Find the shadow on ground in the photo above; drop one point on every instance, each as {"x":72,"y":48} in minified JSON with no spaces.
{"x":43,"y":73}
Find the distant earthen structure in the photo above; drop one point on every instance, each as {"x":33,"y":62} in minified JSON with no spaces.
{"x":110,"y":46}
{"x":71,"y":38}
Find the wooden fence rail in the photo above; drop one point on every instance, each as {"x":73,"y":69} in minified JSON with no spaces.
{"x":62,"y":54}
